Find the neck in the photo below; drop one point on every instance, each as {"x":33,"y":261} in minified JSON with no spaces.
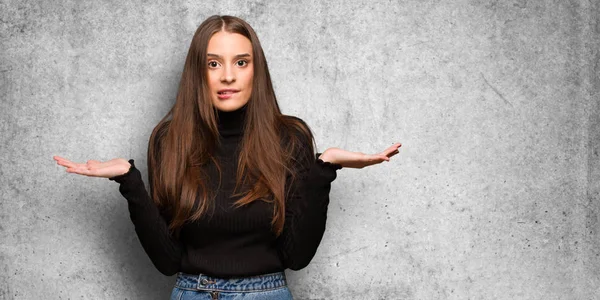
{"x":231,"y":123}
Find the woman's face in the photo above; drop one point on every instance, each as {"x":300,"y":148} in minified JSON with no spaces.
{"x":230,"y":70}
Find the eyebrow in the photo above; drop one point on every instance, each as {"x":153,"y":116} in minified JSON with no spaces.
{"x":237,"y":56}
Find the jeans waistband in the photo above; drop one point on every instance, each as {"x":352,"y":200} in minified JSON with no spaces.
{"x":250,"y":283}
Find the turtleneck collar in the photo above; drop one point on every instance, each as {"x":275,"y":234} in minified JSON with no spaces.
{"x":231,"y":123}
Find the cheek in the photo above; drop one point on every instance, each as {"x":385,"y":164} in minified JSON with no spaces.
{"x":249,"y":85}
{"x":249,"y":80}
{"x":211,"y":82}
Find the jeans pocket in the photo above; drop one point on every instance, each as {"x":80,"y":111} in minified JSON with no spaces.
{"x":176,"y":294}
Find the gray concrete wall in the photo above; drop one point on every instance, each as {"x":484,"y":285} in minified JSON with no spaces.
{"x":494,"y":195}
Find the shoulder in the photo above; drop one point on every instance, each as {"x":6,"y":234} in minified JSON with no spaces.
{"x":298,"y":140}
{"x":296,"y":129}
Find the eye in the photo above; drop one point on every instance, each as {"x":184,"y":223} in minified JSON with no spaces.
{"x":213,"y":64}
{"x":243,"y":61}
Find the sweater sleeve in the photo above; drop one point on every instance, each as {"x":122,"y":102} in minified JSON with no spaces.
{"x":151,"y":226}
{"x":306,"y":210}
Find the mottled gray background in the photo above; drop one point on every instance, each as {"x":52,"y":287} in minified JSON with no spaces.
{"x":494,"y":195}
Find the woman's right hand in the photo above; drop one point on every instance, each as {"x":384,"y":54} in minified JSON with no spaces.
{"x":95,"y":168}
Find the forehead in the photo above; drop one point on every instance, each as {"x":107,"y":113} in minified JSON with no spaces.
{"x":226,"y":43}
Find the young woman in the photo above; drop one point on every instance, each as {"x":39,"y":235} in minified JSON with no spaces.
{"x":237,"y":194}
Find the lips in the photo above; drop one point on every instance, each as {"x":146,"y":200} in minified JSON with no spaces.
{"x":224,"y":94}
{"x":227,"y":91}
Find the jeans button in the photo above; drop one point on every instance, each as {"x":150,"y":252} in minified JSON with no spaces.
{"x":204,"y":281}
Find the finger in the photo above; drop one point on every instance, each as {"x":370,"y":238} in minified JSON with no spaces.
{"x":56,"y":157}
{"x":81,"y":171}
{"x":392,"y":153}
{"x":75,"y":170}
{"x":390,"y":150}
{"x":65,"y":163}
{"x":64,"y":160}
{"x":377,"y":158}
{"x":393,"y":147}
{"x":72,"y":165}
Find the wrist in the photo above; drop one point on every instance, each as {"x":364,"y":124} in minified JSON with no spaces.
{"x":327,"y":157}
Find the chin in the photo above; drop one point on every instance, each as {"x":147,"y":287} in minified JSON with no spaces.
{"x":225,"y":106}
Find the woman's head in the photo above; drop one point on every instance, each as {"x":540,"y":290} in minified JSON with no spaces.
{"x":225,"y":53}
{"x":213,"y":64}
{"x":230,"y":70}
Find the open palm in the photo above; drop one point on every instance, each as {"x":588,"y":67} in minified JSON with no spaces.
{"x":95,"y":168}
{"x":359,"y":160}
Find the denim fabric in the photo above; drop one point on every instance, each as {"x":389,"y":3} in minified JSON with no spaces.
{"x":203,"y":287}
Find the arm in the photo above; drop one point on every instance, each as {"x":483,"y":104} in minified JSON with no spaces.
{"x":151,"y":226}
{"x":306,"y":210}
{"x":359,"y":160}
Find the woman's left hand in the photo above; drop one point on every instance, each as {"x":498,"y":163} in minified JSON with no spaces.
{"x":358,"y":160}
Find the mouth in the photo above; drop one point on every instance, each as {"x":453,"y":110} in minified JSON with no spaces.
{"x":226,"y":94}
{"x":227,"y":91}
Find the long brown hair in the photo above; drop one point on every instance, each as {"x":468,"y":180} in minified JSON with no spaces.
{"x":186,"y":138}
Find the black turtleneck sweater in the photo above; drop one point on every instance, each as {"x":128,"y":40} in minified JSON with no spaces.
{"x":235,"y":242}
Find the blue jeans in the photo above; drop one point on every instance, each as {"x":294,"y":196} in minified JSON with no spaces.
{"x":204,"y":287}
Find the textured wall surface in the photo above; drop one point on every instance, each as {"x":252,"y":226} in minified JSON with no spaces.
{"x":494,"y":195}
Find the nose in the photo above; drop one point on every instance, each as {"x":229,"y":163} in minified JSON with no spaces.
{"x":228,"y":74}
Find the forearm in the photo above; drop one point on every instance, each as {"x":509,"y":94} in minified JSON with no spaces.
{"x":150,"y":226}
{"x":306,"y":214}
